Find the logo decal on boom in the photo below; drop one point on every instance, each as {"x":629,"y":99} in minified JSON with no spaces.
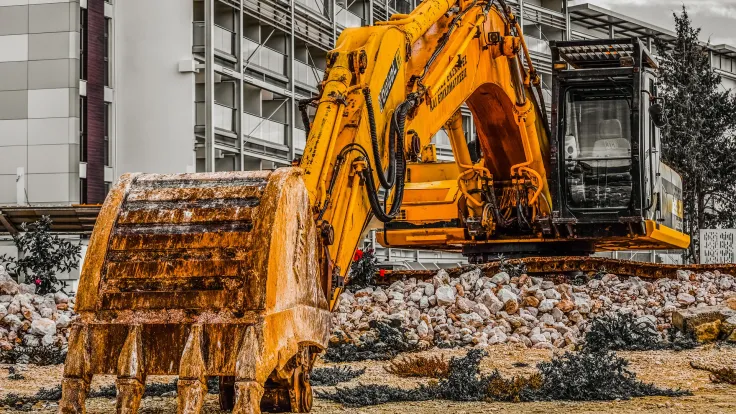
{"x":389,"y":83}
{"x":454,"y":78}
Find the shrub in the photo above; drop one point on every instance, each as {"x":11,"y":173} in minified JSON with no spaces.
{"x":333,"y":375}
{"x":43,"y":255}
{"x":591,"y":376}
{"x":623,"y":332}
{"x":41,"y":355}
{"x":363,"y":269}
{"x":432,"y":367}
{"x":383,"y":342}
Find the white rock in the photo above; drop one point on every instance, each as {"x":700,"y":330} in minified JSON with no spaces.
{"x":552,"y":294}
{"x":63,"y":321}
{"x":472,"y":319}
{"x":379,"y":296}
{"x":482,"y":310}
{"x":537,"y":338}
{"x":683,"y":275}
{"x":428,"y":289}
{"x":464,"y":304}
{"x":685,"y":298}
{"x":505,"y":295}
{"x":501,"y":278}
{"x":42,"y":327}
{"x":557,"y":314}
{"x":547,"y":319}
{"x":423,"y":302}
{"x":8,"y":286}
{"x":27,"y":288}
{"x":547,"y":305}
{"x":445,"y":295}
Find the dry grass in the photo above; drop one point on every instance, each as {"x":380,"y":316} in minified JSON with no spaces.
{"x":419,"y":366}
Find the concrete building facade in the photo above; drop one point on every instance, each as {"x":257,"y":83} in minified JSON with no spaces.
{"x":92,"y":89}
{"x":52,"y":99}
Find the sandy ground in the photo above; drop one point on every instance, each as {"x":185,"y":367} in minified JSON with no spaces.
{"x":664,"y":368}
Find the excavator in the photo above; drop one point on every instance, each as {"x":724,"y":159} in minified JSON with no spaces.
{"x":231,"y":276}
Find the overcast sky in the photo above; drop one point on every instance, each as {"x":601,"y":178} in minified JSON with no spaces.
{"x":717,"y":18}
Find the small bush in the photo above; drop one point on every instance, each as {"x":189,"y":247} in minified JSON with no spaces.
{"x":38,"y":355}
{"x":333,"y":375}
{"x":383,"y":342}
{"x":363,"y":269}
{"x":618,"y":332}
{"x":592,"y":376}
{"x":26,"y":402}
{"x":511,"y":390}
{"x":513,"y":270}
{"x":42,"y":255}
{"x":434,"y":367}
{"x":374,"y":394}
{"x":622,"y":332}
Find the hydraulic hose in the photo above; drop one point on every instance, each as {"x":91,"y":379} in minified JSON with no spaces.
{"x":303,"y":103}
{"x":398,"y":123}
{"x":387,"y":179}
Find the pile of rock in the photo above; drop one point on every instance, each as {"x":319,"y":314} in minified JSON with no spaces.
{"x":29,"y":319}
{"x":480,"y":310}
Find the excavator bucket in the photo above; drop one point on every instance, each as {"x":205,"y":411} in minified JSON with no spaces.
{"x":202,"y":275}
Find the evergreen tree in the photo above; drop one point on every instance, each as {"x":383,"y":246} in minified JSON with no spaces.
{"x":699,"y":141}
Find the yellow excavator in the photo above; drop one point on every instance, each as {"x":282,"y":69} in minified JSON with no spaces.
{"x":233,"y":274}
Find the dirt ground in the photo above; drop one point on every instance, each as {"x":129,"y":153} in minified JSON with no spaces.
{"x":664,"y":368}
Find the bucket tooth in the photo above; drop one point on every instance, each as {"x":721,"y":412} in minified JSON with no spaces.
{"x":77,"y":373}
{"x":131,"y":375}
{"x":192,"y":386}
{"x":248,"y":390}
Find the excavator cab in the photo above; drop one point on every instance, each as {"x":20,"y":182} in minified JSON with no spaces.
{"x":609,"y":182}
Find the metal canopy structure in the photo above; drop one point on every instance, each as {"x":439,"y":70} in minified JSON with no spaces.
{"x":592,"y":17}
{"x":75,"y":219}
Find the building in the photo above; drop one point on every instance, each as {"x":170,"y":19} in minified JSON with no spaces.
{"x":92,"y":89}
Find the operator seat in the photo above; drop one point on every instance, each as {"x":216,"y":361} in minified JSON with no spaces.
{"x":611,"y":143}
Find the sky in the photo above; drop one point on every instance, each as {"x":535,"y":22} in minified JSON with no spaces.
{"x":717,"y":18}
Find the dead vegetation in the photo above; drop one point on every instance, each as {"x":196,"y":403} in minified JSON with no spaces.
{"x":717,"y":375}
{"x":419,"y":366}
{"x":384,"y":341}
{"x":583,"y":376}
{"x":334,"y":375}
{"x":37,"y":355}
{"x":624,"y":332}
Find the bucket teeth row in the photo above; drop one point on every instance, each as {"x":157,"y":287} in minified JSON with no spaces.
{"x":243,"y":395}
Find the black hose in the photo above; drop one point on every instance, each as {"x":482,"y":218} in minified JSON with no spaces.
{"x":397,"y":128}
{"x":387,"y":179}
{"x":303,"y":103}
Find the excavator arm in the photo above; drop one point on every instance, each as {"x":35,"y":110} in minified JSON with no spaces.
{"x":388,"y":90}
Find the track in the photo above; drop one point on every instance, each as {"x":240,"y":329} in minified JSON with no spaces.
{"x":553,"y":266}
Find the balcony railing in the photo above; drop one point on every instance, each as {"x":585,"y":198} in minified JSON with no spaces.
{"x":307,"y":75}
{"x":264,"y":129}
{"x":317,"y":6}
{"x":537,"y":46}
{"x":223,"y":116}
{"x":346,"y":18}
{"x":223,"y":40}
{"x":441,"y":139}
{"x":300,"y":139}
{"x":401,"y":6}
{"x":263,"y":57}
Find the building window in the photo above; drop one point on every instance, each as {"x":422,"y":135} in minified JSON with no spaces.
{"x":82,"y":129}
{"x":106,"y":52}
{"x":83,"y":44}
{"x":106,"y":120}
